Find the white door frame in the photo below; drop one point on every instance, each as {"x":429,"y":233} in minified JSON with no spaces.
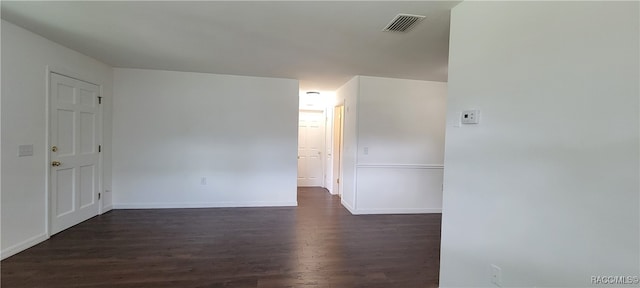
{"x":340,"y":147}
{"x":64,"y":72}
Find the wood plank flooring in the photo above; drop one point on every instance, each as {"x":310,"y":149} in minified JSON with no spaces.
{"x":318,"y":244}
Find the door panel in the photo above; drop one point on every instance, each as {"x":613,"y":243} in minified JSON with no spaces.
{"x":66,"y":94}
{"x":87,"y":97}
{"x":87,"y":185}
{"x":310,"y":146}
{"x":65,"y":186}
{"x":75,"y":117}
{"x":87,"y":133}
{"x":65,"y":132}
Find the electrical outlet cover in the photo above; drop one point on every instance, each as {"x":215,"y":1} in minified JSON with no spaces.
{"x":470,"y":117}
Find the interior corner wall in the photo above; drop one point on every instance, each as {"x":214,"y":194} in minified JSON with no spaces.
{"x":393,"y":145}
{"x":546,"y":186}
{"x":203,"y":140}
{"x":24,"y":198}
{"x":400,"y":146}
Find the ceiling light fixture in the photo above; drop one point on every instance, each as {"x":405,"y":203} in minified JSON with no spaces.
{"x":313,"y":93}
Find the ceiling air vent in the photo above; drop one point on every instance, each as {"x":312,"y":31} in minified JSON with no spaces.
{"x":403,"y":22}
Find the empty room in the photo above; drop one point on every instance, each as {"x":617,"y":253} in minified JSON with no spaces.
{"x":320,"y":144}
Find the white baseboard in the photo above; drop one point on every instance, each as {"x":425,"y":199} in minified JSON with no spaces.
{"x":202,"y":205}
{"x":330,"y":191}
{"x":347,"y":206}
{"x":402,"y":166}
{"x":395,"y":211}
{"x":389,"y":211}
{"x":24,"y":245}
{"x":107,"y":208}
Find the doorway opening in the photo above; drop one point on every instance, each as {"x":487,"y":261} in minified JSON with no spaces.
{"x":320,"y":125}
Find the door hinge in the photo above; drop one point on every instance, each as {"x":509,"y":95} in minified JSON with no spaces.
{"x":99,"y":196}
{"x":338,"y":181}
{"x":99,"y":148}
{"x":99,"y":99}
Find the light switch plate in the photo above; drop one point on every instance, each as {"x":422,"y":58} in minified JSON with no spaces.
{"x":496,"y":275}
{"x":25,"y":150}
{"x":470,"y":117}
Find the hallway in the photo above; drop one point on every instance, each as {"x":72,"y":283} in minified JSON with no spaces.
{"x":317,"y":244}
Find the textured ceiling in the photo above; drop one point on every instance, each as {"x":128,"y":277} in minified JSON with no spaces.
{"x":323,"y":44}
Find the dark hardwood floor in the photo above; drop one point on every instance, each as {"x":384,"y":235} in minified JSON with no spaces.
{"x":318,"y":244}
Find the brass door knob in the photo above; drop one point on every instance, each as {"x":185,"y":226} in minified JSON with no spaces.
{"x":56,"y":163}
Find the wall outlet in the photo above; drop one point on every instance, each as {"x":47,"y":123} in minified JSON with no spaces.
{"x":470,"y":117}
{"x":366,"y":150}
{"x":496,"y":275}
{"x":203,"y":181}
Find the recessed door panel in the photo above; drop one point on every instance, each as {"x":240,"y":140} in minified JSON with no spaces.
{"x":87,"y":185}
{"x":65,"y":122}
{"x":65,"y":187}
{"x":87,"y":97}
{"x":66,"y":94}
{"x":87,"y":133}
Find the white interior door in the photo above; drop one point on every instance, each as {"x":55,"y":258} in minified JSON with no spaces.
{"x":75,"y":118}
{"x":310,"y":145}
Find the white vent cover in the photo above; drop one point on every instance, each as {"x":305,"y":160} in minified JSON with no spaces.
{"x":403,"y":22}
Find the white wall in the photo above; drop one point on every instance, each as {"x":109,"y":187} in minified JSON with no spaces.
{"x":171,"y":129}
{"x":25,"y":57}
{"x":400,"y":145}
{"x":401,"y":121}
{"x":546,"y":185}
{"x":394,"y":145}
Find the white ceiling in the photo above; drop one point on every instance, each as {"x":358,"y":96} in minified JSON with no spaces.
{"x":323,"y":44}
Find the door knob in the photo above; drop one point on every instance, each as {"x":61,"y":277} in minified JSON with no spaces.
{"x":56,"y":163}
